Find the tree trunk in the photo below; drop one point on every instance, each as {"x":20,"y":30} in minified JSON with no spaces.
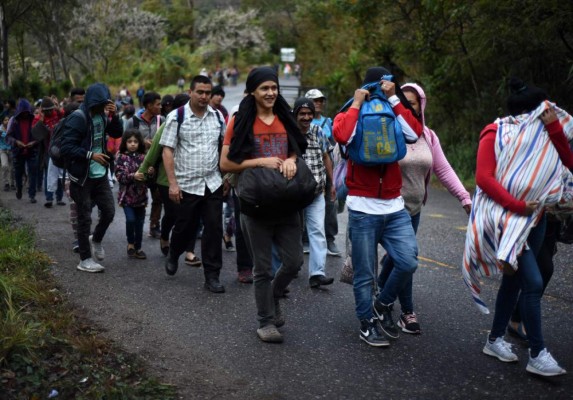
{"x":4,"y":51}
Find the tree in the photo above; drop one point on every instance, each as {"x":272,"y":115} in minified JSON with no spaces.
{"x":229,"y":31}
{"x":94,"y":43}
{"x":11,"y":11}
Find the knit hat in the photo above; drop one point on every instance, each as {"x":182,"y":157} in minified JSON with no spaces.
{"x":314,"y":94}
{"x":523,"y":98}
{"x":217,"y":90}
{"x":302,"y":102}
{"x":47,"y":104}
{"x":260,"y":75}
{"x":374,"y":74}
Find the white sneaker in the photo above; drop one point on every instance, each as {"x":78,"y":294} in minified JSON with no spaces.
{"x":500,"y":349}
{"x":97,"y":249}
{"x":544,"y":364}
{"x":89,"y":265}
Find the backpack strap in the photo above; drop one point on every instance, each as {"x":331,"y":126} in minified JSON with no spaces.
{"x":180,"y":118}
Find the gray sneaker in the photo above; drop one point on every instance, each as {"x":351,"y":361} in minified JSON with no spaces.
{"x":89,"y":265}
{"x":332,"y":250}
{"x":97,"y":249}
{"x":499,"y":349}
{"x":270,"y":334}
{"x":544,"y":364}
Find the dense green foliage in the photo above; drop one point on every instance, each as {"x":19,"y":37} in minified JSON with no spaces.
{"x":461,"y":52}
{"x":45,"y":345}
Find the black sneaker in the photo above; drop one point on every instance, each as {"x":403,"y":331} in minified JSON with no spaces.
{"x":370,"y":334}
{"x":409,"y":323}
{"x":170,"y":266}
{"x":384,"y":314}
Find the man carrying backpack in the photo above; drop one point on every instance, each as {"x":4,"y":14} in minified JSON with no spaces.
{"x":83,"y":147}
{"x":376,"y":214}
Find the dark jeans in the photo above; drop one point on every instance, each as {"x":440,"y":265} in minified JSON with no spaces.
{"x":260,"y":235}
{"x":405,"y":295}
{"x":544,"y":260}
{"x":156,"y":201}
{"x":244,"y":261}
{"x":20,"y":164}
{"x":134,"y":221}
{"x":169,"y":217}
{"x":98,"y":192}
{"x":528,"y":279}
{"x":209,"y":208}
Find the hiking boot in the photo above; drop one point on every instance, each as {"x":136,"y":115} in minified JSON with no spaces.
{"x":544,"y":364}
{"x":270,"y":334}
{"x":319,"y":280}
{"x":384,"y":314}
{"x":279,"y":316}
{"x":409,"y":323}
{"x":500,"y":349}
{"x":332,"y":250}
{"x":245,"y":276}
{"x":370,"y":334}
{"x":89,"y":265}
{"x":97,"y":249}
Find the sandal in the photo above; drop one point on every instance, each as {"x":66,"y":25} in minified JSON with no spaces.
{"x":517,"y":332}
{"x":194,"y":262}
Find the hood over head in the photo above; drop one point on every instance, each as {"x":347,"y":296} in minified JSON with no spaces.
{"x":97,"y":94}
{"x":22,"y":106}
{"x":422,"y":98}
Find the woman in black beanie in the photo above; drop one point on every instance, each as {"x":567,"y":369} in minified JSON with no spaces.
{"x":264,"y":134}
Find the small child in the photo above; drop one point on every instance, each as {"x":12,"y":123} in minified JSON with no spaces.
{"x":132,"y":194}
{"x":5,"y":155}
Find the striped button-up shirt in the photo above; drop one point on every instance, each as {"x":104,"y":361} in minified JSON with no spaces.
{"x":195,"y":153}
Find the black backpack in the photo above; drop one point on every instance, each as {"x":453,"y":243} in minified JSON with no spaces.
{"x":54,"y":148}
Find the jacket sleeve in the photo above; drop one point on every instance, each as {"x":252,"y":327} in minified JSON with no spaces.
{"x":411,"y":126}
{"x":114,"y":127}
{"x":559,"y":140}
{"x":446,"y":173}
{"x":122,"y":173}
{"x":74,"y":133}
{"x":154,"y":152}
{"x":485,"y":173}
{"x":344,"y":125}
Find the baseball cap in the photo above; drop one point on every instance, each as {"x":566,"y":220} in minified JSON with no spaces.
{"x":314,"y":94}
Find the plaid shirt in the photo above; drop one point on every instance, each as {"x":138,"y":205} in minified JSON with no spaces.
{"x":196,"y":154}
{"x":318,"y":145}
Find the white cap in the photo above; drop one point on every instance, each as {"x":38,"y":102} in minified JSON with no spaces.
{"x":314,"y":94}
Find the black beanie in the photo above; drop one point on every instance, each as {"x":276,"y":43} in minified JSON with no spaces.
{"x":302,"y":102}
{"x":260,"y":75}
{"x":217,"y":90}
{"x":374,"y":74}
{"x":523,"y":98}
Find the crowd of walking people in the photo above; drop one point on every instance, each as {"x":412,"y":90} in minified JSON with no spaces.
{"x":192,"y":159}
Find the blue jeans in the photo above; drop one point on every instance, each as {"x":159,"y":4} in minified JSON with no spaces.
{"x":314,"y":219}
{"x":134,"y":221}
{"x":528,"y":279}
{"x":395,"y":233}
{"x":405,"y":296}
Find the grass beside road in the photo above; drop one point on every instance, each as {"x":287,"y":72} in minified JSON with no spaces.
{"x":45,"y":345}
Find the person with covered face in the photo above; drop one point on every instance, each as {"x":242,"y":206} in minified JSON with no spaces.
{"x":376,"y":215}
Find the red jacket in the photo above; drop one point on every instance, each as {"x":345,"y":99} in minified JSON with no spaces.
{"x":487,"y":164}
{"x":384,"y":181}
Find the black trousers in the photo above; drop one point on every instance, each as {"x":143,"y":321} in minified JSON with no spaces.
{"x":192,"y":208}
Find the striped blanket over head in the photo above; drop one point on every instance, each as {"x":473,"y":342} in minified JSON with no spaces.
{"x":528,"y":166}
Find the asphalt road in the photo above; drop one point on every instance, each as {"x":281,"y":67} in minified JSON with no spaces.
{"x":206,"y":344}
